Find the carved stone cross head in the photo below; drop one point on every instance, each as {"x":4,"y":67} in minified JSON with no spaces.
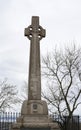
{"x":35,"y":30}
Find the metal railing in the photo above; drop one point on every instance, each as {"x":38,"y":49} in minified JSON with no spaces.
{"x":72,"y":123}
{"x":7,"y":118}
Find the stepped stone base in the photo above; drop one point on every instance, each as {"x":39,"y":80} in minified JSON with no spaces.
{"x":34,"y":116}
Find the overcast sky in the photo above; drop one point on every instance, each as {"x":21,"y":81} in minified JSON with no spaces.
{"x":60,"y":18}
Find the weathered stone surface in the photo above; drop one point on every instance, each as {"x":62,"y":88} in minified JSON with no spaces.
{"x":34,"y":33}
{"x":35,"y":122}
{"x":34,"y":107}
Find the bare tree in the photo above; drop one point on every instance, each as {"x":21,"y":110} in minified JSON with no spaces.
{"x":63,"y":73}
{"x":8,"y":95}
{"x":24,"y":90}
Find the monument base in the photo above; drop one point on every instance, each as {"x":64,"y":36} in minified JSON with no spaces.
{"x":34,"y":116}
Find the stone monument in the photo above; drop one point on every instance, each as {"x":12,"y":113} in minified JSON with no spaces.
{"x":34,"y":112}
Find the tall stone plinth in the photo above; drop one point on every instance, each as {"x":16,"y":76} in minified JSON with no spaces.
{"x":34,"y":112}
{"x":34,"y":116}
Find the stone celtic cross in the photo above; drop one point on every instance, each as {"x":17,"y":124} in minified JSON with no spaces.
{"x":34,"y":111}
{"x":35,"y":33}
